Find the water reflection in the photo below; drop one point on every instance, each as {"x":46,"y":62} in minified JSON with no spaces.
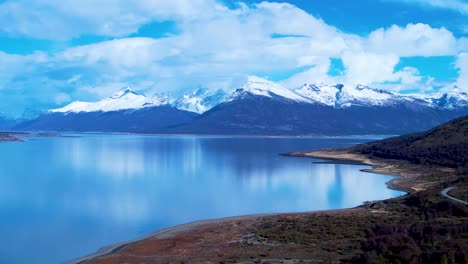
{"x":91,"y":191}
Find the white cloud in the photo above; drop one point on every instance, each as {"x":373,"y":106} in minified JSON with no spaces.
{"x":368,"y":68}
{"x":412,"y":40}
{"x":315,"y":74}
{"x":216,"y":47}
{"x":120,"y":53}
{"x":462,"y":44}
{"x":62,"y":20}
{"x":462,"y":65}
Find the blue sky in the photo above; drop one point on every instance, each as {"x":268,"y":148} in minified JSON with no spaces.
{"x":53,"y":52}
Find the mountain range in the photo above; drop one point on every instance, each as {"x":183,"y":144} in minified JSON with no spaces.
{"x":259,"y":107}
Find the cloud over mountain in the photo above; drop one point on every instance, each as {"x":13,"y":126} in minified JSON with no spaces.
{"x":211,"y":44}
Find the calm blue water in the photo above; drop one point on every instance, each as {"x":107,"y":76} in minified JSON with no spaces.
{"x":62,"y":198}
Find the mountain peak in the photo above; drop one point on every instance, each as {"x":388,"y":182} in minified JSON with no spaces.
{"x":321,"y":93}
{"x":339,"y":95}
{"x":122,"y":100}
{"x":126,"y":91}
{"x":262,"y":87}
{"x":200,"y":100}
{"x":451,"y":99}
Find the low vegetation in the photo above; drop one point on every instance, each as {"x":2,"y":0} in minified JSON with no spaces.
{"x":418,"y":228}
{"x":445,"y":145}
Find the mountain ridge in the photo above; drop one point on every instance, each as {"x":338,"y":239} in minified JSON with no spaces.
{"x":337,"y":95}
{"x":259,"y":107}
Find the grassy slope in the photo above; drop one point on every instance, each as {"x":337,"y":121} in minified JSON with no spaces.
{"x":445,"y":145}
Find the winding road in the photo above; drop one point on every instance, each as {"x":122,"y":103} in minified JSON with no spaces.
{"x":445,"y":191}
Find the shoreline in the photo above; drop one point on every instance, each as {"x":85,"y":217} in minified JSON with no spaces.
{"x":9,"y":138}
{"x":405,"y":181}
{"x":187,"y":227}
{"x":164,"y":231}
{"x":404,"y":177}
{"x":22,"y":136}
{"x":409,"y":177}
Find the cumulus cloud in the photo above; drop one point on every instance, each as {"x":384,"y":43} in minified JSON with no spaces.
{"x":367,"y":68}
{"x":412,"y":40}
{"x":62,"y":20}
{"x":215,"y":47}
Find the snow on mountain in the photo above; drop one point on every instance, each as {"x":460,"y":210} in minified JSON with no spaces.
{"x":122,"y":100}
{"x":337,"y":96}
{"x":455,"y":98}
{"x":325,"y":94}
{"x":200,"y":100}
{"x":366,"y":96}
{"x":346,"y":96}
{"x":262,"y":87}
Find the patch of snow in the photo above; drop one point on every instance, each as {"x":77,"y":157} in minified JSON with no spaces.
{"x":451,"y":99}
{"x":200,"y":100}
{"x":259,"y":86}
{"x":363,"y":95}
{"x":325,"y":94}
{"x":122,"y":100}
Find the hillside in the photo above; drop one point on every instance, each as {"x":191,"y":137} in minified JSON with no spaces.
{"x":445,"y":145}
{"x":274,"y":115}
{"x":144,"y":120}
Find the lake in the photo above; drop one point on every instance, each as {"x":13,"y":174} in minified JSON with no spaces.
{"x":63,"y":198}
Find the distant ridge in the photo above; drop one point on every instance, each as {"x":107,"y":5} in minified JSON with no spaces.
{"x":259,"y":107}
{"x":145,"y":120}
{"x":202,"y":100}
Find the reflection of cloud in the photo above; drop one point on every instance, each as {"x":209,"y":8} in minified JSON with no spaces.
{"x":120,"y":163}
{"x":125,"y":207}
{"x":323,"y":186}
{"x":110,"y":158}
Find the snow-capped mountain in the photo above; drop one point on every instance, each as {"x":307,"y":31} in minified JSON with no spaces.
{"x":325,"y":94}
{"x":264,"y":107}
{"x":122,"y":100}
{"x":262,"y":87}
{"x":200,"y":100}
{"x":124,"y":111}
{"x":365,"y":96}
{"x":337,"y":96}
{"x":453,"y":99}
{"x":259,"y":106}
{"x":341,"y":96}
